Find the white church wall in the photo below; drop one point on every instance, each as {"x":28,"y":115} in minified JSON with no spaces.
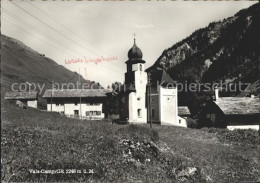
{"x":134,"y":105}
{"x":182,"y":122}
{"x":168,"y":109}
{"x":140,"y":82}
{"x":137,"y":99}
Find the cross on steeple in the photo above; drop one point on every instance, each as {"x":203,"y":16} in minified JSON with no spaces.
{"x":134,"y":37}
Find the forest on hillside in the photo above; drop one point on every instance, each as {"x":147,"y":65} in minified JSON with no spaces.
{"x":226,"y":52}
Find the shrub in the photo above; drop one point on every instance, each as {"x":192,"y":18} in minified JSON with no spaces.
{"x":239,"y":136}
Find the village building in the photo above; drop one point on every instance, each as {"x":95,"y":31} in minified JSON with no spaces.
{"x":141,"y":103}
{"x":77,"y":103}
{"x":133,"y":101}
{"x":184,"y":114}
{"x":23,"y":98}
{"x":232,"y":112}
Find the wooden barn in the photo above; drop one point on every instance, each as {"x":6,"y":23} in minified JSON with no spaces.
{"x":26,"y":98}
{"x":232,"y":113}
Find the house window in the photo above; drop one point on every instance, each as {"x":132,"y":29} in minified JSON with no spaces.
{"x":153,"y":112}
{"x":93,"y":113}
{"x":76,"y":112}
{"x":179,"y":121}
{"x":59,"y":103}
{"x":139,"y":112}
{"x":212,"y":117}
{"x":87,"y":113}
{"x":141,"y":67}
{"x":93,"y":103}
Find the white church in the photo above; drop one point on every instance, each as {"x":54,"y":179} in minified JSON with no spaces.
{"x":161,"y":108}
{"x":134,"y":106}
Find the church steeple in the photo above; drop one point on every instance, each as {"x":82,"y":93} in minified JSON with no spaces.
{"x":134,"y":38}
{"x":135,"y":64}
{"x":135,"y":53}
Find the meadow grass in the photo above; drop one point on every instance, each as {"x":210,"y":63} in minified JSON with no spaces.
{"x":34,"y":139}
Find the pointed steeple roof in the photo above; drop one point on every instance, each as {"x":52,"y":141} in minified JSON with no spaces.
{"x":162,"y":77}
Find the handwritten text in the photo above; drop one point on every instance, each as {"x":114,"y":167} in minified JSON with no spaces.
{"x":89,"y":60}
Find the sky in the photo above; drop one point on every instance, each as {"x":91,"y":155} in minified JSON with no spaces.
{"x":90,"y":30}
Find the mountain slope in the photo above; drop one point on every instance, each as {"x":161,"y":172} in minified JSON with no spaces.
{"x":225,"y":51}
{"x":22,"y":64}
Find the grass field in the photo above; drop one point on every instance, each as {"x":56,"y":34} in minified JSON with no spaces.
{"x":36,"y":140}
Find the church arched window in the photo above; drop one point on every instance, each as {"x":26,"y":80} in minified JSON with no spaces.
{"x":141,"y":67}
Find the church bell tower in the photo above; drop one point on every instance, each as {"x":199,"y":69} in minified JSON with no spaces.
{"x":135,"y":82}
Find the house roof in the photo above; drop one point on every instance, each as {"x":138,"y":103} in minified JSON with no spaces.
{"x":239,"y":105}
{"x":70,"y":93}
{"x":162,"y":77}
{"x":135,"y":55}
{"x":183,"y":110}
{"x":21,"y":95}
